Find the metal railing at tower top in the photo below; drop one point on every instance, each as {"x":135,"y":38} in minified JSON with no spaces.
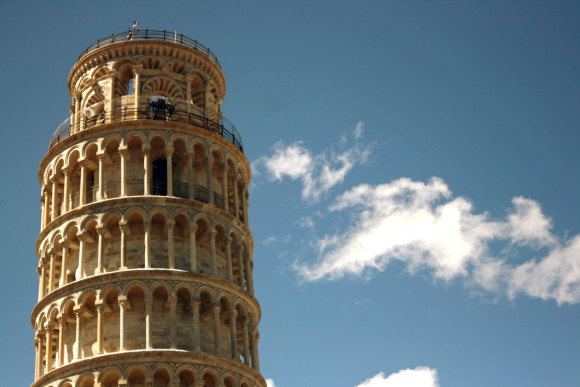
{"x":223,"y":128}
{"x":147,"y":34}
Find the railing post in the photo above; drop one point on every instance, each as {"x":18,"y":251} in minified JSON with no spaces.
{"x":146,"y":32}
{"x":164,"y":31}
{"x":97,"y":43}
{"x":112,"y":38}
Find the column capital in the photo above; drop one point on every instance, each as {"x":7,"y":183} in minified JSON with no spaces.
{"x":169,"y":151}
{"x":230,"y":240}
{"x":78,"y":310}
{"x":123,"y":152}
{"x":123,"y":226}
{"x":216,"y":309}
{"x":213,"y":232}
{"x":100,"y":305}
{"x":100,"y":229}
{"x":146,"y":149}
{"x":123,"y":301}
{"x":196,"y":304}
{"x":61,"y":319}
{"x":49,"y":327}
{"x":137,"y":69}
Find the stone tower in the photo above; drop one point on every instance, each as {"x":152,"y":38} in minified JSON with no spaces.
{"x":145,"y":255}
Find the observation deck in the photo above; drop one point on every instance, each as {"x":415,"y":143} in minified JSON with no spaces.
{"x":147,"y":34}
{"x":223,"y":128}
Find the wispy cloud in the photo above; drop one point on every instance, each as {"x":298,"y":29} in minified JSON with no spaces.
{"x":423,"y":225}
{"x":270,"y":383}
{"x":418,"y":377}
{"x":318,"y":173}
{"x":276,"y":239}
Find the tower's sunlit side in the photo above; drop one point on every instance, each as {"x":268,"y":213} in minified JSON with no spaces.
{"x":145,"y":255}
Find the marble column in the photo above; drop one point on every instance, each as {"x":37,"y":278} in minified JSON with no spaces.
{"x":229,"y":270}
{"x":233,"y":336}
{"x":124,"y":157}
{"x":100,"y":247}
{"x":172,"y":301}
{"x":246,"y":344}
{"x":169,"y":164}
{"x":123,"y":304}
{"x":100,"y":310}
{"x":193,"y":248}
{"x":196,"y":305}
{"x":212,"y":234}
{"x":216,"y":329}
{"x":146,"y":237}
{"x":78,"y":311}
{"x":146,"y":170}
{"x":170,"y":244}
{"x":124,"y":227}
{"x":101,"y":182}
{"x":148,"y":316}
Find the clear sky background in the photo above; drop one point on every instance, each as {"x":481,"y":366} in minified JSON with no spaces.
{"x":414,"y":202}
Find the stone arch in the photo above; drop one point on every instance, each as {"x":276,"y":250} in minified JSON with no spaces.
{"x":133,"y":134}
{"x":177,"y":66}
{"x":134,"y":284}
{"x":135,"y":219}
{"x":229,"y":379}
{"x":164,"y":86}
{"x":108,"y":288}
{"x":182,"y":241}
{"x":184,"y":294}
{"x":161,"y":293}
{"x":187,"y":375}
{"x":162,"y":375}
{"x":210,"y":377}
{"x":152,"y":62}
{"x":124,"y":69}
{"x":136,"y":375}
{"x":99,"y":71}
{"x":135,"y":313}
{"x":65,"y":383}
{"x":110,"y":376}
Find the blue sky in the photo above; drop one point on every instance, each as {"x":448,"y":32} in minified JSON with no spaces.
{"x":414,"y":202}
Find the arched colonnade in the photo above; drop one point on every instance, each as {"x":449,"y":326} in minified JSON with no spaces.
{"x":179,"y":165}
{"x":93,"y":322}
{"x":132,"y":238}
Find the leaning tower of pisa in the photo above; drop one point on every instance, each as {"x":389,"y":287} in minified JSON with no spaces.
{"x":144,"y":254}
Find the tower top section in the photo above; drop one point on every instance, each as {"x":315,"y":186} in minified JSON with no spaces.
{"x":147,"y":34}
{"x":146,"y":75}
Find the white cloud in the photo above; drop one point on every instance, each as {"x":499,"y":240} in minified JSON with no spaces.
{"x":274,"y":239}
{"x":423,"y":225}
{"x":418,"y":377}
{"x":318,"y":173}
{"x":528,"y":226}
{"x":358,"y":130}
{"x":270,"y":383}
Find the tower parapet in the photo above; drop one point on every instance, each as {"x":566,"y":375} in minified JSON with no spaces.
{"x":145,"y":254}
